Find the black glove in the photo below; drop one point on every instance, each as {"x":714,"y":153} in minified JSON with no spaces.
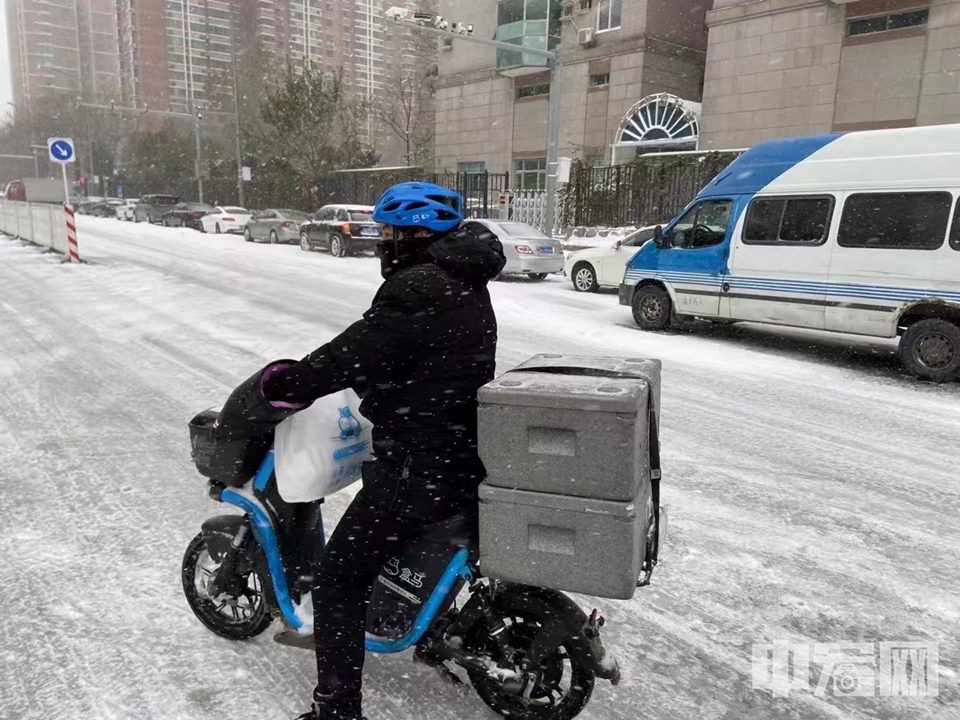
{"x":247,"y":413}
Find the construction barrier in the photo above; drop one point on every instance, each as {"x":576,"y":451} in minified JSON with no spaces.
{"x":40,"y":223}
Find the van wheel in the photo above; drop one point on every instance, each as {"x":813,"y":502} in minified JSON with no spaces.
{"x":652,"y":308}
{"x":930,"y":350}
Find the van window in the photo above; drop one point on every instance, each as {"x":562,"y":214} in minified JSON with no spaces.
{"x":703,"y":225}
{"x":910,"y":221}
{"x":788,"y":221}
{"x":955,"y":229}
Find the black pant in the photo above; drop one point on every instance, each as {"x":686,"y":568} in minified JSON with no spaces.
{"x":366,"y":537}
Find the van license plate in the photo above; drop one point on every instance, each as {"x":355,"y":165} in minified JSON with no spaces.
{"x":369,"y":231}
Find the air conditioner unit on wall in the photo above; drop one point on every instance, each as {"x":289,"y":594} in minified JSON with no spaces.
{"x":585,"y":36}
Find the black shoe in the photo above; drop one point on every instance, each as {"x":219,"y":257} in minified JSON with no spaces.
{"x":344,"y":710}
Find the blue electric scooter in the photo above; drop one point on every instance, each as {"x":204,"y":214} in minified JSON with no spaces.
{"x":530,"y":653}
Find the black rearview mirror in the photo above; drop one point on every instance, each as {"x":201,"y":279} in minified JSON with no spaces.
{"x":658,"y":236}
{"x":619,"y":243}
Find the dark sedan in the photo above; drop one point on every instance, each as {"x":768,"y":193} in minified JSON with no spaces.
{"x":343,"y":229}
{"x":185,"y":214}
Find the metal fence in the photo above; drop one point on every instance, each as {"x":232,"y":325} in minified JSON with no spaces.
{"x":653,"y":189}
{"x":529,"y":206}
{"x":40,"y":223}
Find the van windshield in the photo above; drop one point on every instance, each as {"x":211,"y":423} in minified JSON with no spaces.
{"x":703,"y":225}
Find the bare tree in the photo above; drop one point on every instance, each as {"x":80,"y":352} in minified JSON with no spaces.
{"x":406,"y":111}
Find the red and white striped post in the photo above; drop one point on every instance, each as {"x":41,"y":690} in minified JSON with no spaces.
{"x":61,"y":150}
{"x":72,"y":247}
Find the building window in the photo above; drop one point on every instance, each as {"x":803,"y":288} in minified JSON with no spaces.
{"x":608,"y":17}
{"x":600,"y":79}
{"x":882,"y":23}
{"x":534,"y":23}
{"x":531,"y":174}
{"x":528,"y":91}
{"x":911,"y":221}
{"x":478,"y":166}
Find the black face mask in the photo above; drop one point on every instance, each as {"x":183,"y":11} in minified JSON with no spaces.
{"x":403,"y":252}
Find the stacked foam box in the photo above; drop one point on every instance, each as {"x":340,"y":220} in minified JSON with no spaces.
{"x":566,"y":443}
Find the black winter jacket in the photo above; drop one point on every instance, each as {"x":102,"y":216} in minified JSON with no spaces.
{"x":416,"y":359}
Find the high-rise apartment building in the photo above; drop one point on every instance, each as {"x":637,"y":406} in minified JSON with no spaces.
{"x":349,"y":36}
{"x":180,"y":55}
{"x":44,"y":47}
{"x":99,"y":67}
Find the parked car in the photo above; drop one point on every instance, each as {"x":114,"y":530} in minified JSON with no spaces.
{"x":105,"y":208}
{"x":86,"y":204}
{"x":125,"y":211}
{"x":344,"y":229}
{"x":528,"y":251}
{"x":594,"y":268}
{"x":277,"y":225}
{"x":152,"y":207}
{"x":227,"y":219}
{"x":185,"y":214}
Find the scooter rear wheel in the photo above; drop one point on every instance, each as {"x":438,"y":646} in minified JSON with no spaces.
{"x":565,"y":678}
{"x":241,"y":611}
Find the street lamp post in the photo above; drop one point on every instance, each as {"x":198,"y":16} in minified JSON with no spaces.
{"x":197,"y":170}
{"x":418,"y":23}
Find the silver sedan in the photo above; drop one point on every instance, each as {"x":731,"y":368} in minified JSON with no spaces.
{"x":528,"y":251}
{"x":275,"y":225}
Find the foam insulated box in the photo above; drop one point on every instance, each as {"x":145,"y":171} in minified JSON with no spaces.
{"x":571,"y":425}
{"x":589,"y":546}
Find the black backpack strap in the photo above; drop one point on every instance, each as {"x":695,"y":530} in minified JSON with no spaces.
{"x":653,"y":546}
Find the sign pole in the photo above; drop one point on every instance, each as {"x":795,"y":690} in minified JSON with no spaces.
{"x":66,"y":185}
{"x":62,"y":150}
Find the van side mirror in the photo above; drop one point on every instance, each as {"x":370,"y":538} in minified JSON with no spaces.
{"x":619,"y":244}
{"x":658,"y":236}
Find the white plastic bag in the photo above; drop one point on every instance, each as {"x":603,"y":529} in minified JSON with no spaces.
{"x":320,"y":450}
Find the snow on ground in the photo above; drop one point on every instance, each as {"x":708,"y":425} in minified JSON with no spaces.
{"x":813,"y":490}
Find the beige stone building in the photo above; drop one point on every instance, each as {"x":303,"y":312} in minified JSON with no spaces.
{"x":782,"y":68}
{"x":632,"y":79}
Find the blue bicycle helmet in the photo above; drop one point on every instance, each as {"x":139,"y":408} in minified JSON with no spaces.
{"x":419,"y":205}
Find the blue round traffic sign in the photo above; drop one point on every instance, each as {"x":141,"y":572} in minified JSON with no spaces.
{"x":61,"y":150}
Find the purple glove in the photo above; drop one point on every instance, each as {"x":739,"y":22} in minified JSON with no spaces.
{"x":270,"y":372}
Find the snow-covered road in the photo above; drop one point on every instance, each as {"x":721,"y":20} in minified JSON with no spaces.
{"x":814,"y":491}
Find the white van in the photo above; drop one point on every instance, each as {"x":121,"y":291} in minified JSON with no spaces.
{"x":855,"y":233}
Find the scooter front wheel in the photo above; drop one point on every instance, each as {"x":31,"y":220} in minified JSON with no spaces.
{"x":564,"y":681}
{"x":238,"y":613}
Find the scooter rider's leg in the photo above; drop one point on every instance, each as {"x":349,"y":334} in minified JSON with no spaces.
{"x":362,"y":542}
